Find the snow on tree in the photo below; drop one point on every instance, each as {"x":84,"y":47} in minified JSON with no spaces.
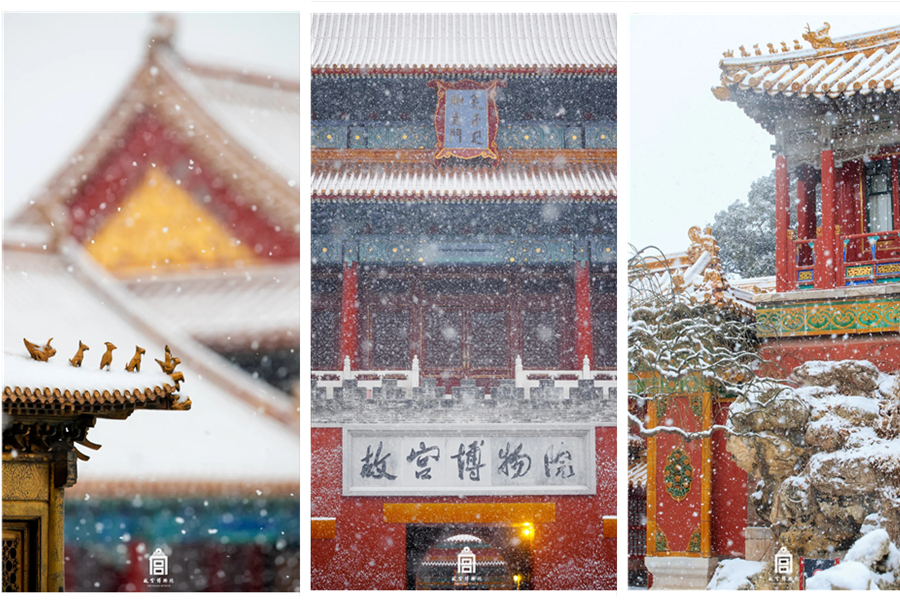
{"x":685,"y":320}
{"x":746,"y":229}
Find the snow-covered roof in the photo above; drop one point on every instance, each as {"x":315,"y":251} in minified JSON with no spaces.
{"x":261,"y":113}
{"x":239,"y":431}
{"x":360,"y":44}
{"x":243,"y":125}
{"x":855,"y":64}
{"x":424,"y":182}
{"x":698,"y":274}
{"x":222,"y":309}
{"x":37,"y":387}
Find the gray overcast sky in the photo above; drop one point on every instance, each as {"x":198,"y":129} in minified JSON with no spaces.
{"x":692,"y":155}
{"x":62,"y":72}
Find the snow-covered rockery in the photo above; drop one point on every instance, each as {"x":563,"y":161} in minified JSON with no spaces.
{"x":827,"y":455}
{"x":872,"y":563}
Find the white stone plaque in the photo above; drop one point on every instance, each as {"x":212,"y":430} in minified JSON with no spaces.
{"x":435,"y":460}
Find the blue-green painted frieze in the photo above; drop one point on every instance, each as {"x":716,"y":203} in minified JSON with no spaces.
{"x":594,"y":135}
{"x":403,"y":250}
{"x":569,"y":100}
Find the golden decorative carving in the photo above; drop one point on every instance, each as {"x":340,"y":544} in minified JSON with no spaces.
{"x":106,"y":361}
{"x":756,"y":50}
{"x":42,"y":353}
{"x":41,"y":437}
{"x":25,"y":481}
{"x":135,"y":364}
{"x":818,"y":38}
{"x":75,"y":361}
{"x":744,"y":52}
{"x":797,"y":45}
{"x":784,"y":47}
{"x":15,"y":555}
{"x":169,"y":365}
{"x":728,"y":54}
{"x":771,"y":48}
{"x":721,"y":93}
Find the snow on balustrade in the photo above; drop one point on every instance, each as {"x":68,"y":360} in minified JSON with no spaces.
{"x":542,"y":396}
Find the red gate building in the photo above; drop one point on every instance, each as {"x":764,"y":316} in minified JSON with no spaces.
{"x":463,"y":296}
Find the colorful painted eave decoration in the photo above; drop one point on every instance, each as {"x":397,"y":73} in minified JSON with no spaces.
{"x":838,"y":317}
{"x":469,"y":71}
{"x":486,"y":149}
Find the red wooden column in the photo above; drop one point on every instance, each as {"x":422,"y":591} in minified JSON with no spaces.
{"x":584,"y":342}
{"x":895,"y":183}
{"x":782,"y":223}
{"x":806,"y":212}
{"x":350,"y":315}
{"x":826,"y":260}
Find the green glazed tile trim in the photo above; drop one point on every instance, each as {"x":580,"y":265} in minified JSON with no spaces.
{"x":859,"y":315}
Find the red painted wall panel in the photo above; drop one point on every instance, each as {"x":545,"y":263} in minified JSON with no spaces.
{"x":785,"y":355}
{"x":370,"y":554}
{"x":729,"y":496}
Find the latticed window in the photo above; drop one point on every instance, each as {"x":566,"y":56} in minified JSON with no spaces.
{"x":390,"y":333}
{"x":879,"y":196}
{"x":541,"y":339}
{"x":325,"y":328}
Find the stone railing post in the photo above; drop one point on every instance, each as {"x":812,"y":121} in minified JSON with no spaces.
{"x":414,"y":374}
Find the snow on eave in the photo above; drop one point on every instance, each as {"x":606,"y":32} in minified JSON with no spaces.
{"x":363,"y":43}
{"x":262,"y":397}
{"x":162,"y":68}
{"x":698,"y":275}
{"x":857,"y":64}
{"x":21,"y":371}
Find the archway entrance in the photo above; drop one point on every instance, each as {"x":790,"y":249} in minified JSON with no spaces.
{"x":502,"y":557}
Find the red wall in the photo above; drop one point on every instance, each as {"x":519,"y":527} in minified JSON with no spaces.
{"x":367,"y":553}
{"x":729,"y":496}
{"x":783,"y":356}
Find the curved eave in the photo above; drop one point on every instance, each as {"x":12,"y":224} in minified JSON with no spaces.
{"x":460,"y":197}
{"x":43,"y":401}
{"x":862,"y":64}
{"x":459,"y":71}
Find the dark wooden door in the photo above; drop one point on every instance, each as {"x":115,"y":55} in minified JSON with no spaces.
{"x":466,"y":335}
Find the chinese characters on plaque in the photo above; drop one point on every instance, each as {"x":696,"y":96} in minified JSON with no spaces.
{"x":466,"y":119}
{"x":434,"y":462}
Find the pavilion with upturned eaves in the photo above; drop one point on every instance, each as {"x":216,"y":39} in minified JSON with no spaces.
{"x":833,"y":109}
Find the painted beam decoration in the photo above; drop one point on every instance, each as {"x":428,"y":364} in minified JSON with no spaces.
{"x":433,"y":461}
{"x":858,"y":315}
{"x":466,"y":119}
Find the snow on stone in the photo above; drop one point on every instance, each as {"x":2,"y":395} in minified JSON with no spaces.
{"x":735,"y":574}
{"x":833,"y":469}
{"x":873,"y":562}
